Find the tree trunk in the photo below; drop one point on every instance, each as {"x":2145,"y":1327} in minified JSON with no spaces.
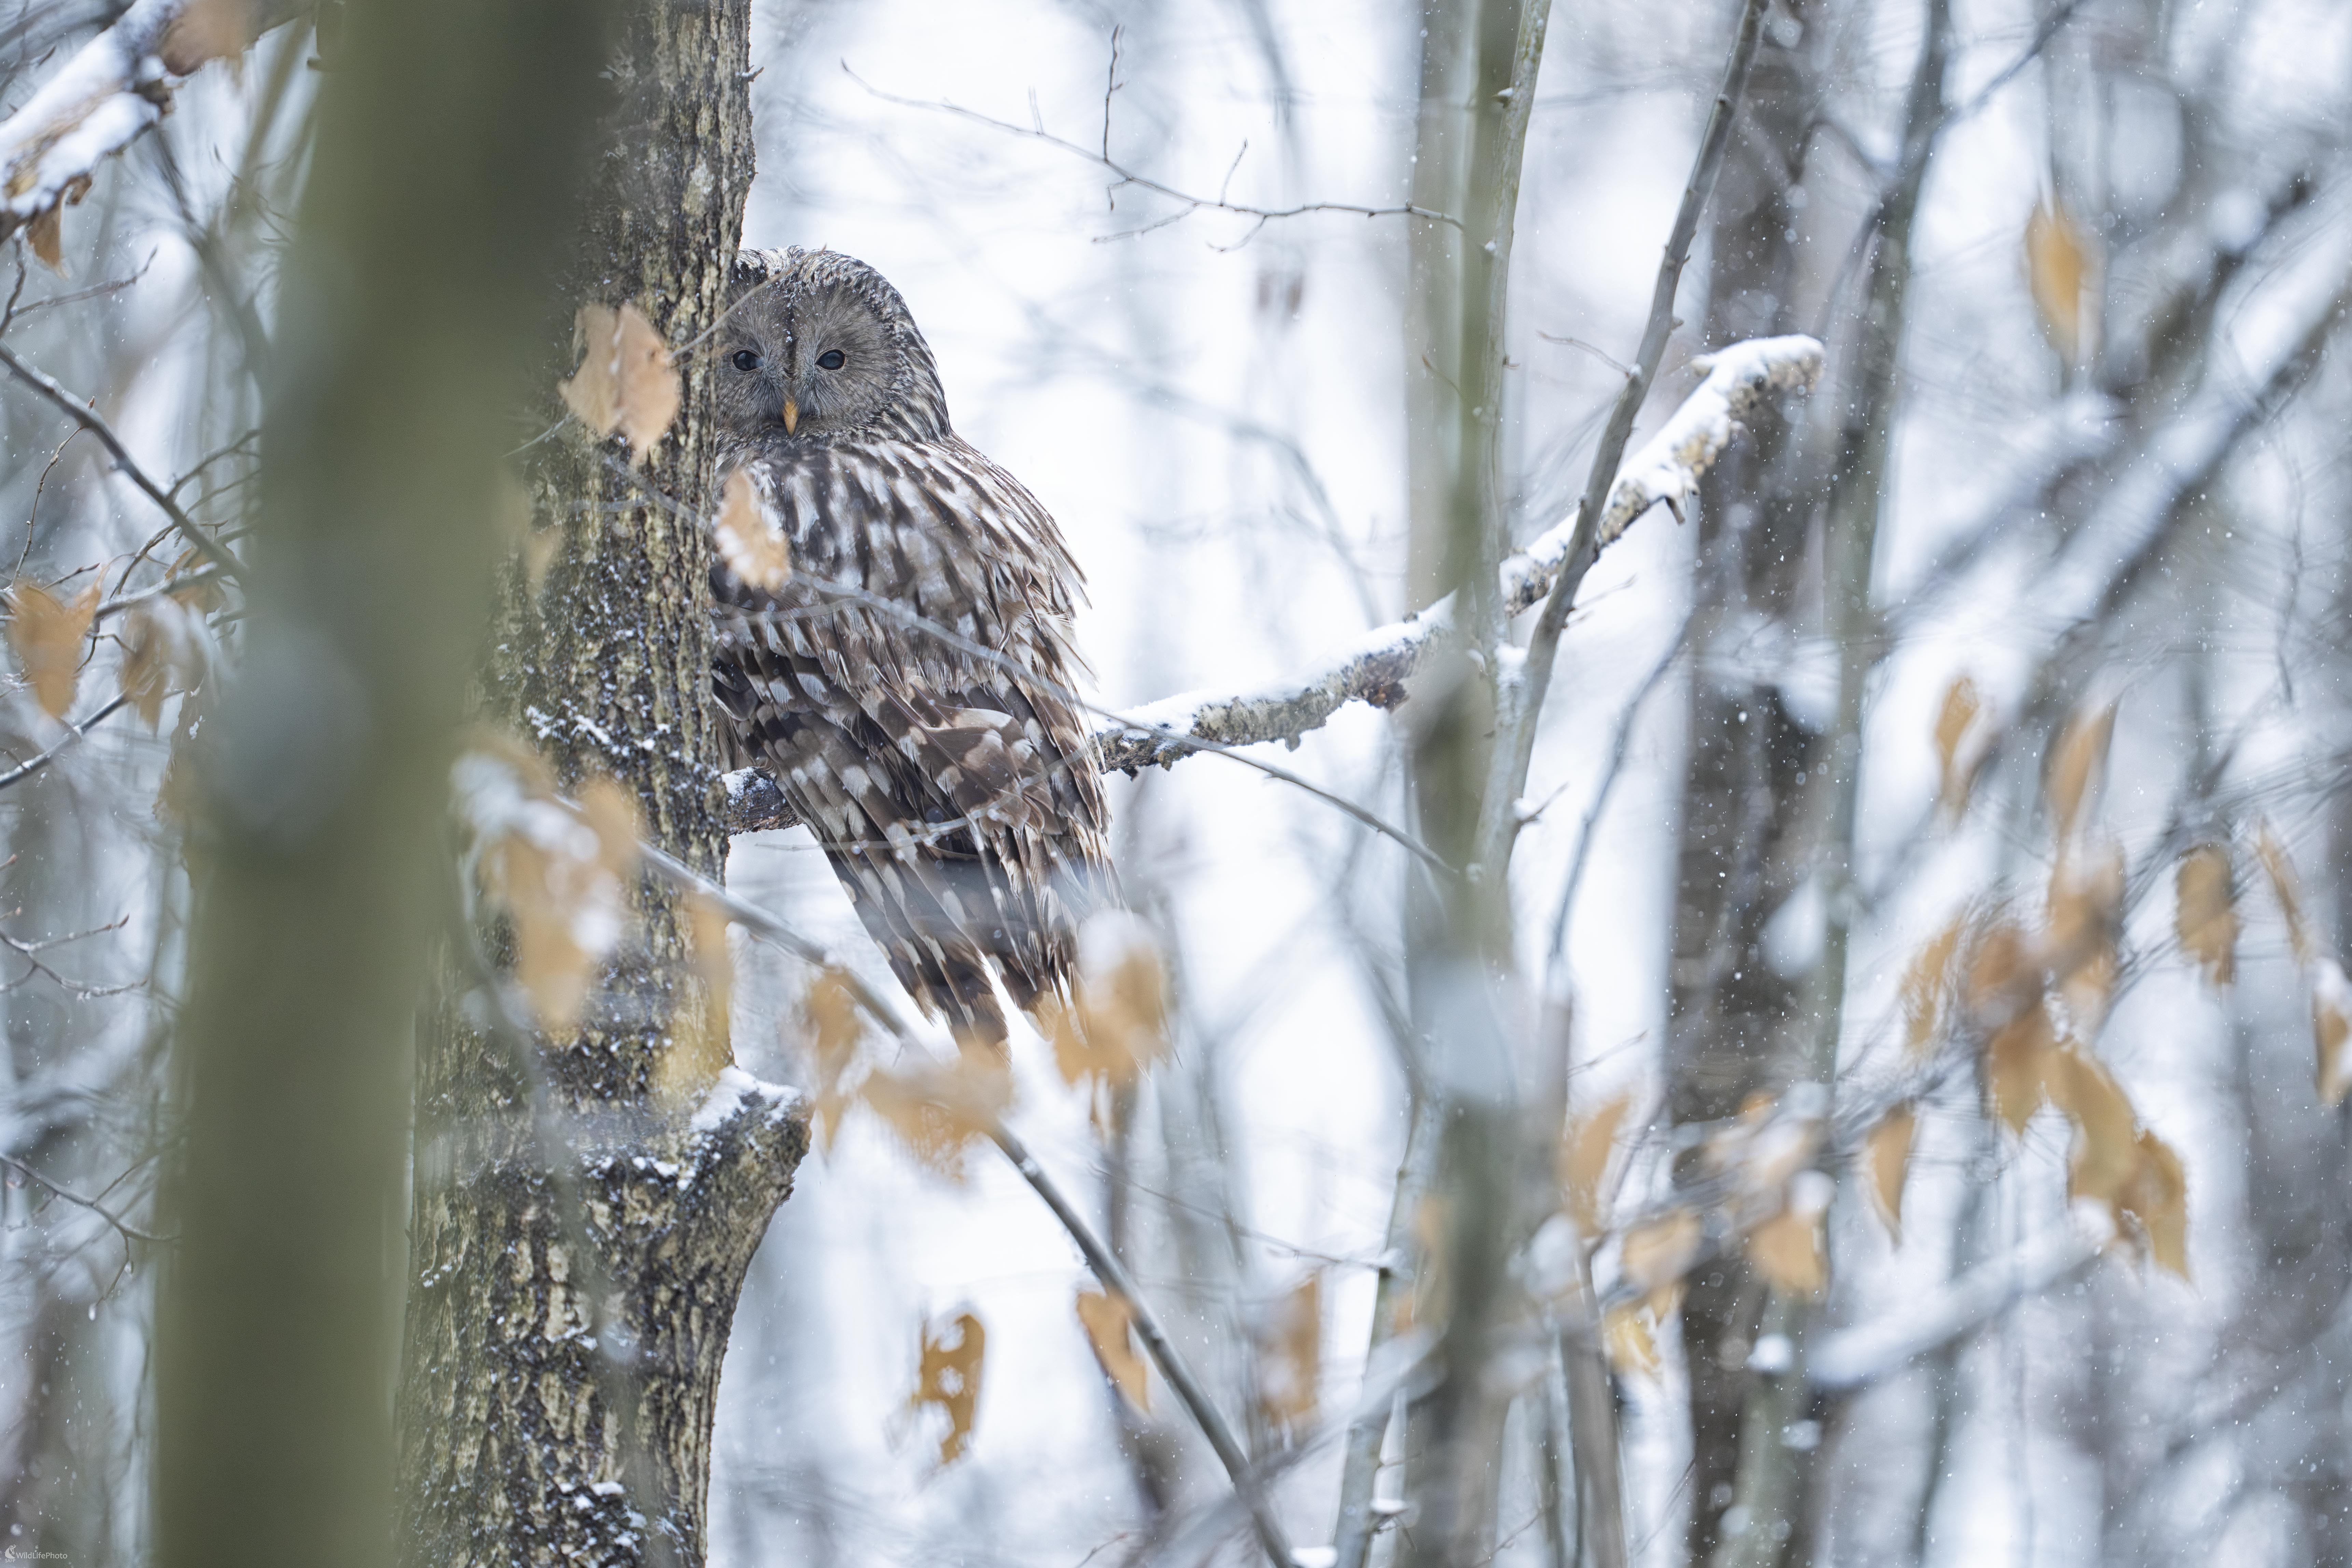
{"x":1733,"y":1019}
{"x":539,"y":1422}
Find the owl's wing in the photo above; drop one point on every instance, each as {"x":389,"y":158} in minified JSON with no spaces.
{"x":910,"y":688}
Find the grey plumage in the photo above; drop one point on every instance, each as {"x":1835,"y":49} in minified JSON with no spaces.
{"x":954,"y":795}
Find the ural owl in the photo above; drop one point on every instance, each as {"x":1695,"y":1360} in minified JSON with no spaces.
{"x":953,"y":794}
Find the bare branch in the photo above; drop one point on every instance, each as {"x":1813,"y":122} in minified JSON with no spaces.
{"x":81,"y":414}
{"x":1114,"y":1276}
{"x":1127,"y":176}
{"x":92,"y":1204}
{"x":73,"y":732}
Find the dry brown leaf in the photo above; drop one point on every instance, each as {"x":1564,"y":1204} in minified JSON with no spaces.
{"x":2086,"y":900}
{"x":2003,"y":972}
{"x":539,"y":552}
{"x":1292,"y":1370}
{"x":563,"y":880}
{"x":2287,"y":889}
{"x":1584,"y":1161}
{"x":627,"y":381}
{"x":706,"y":926}
{"x":2087,"y":989}
{"x":937,"y":1110}
{"x":833,"y":1028}
{"x":551,"y":964}
{"x":700,"y":1046}
{"x":1118,"y":1024}
{"x":949,"y":1378}
{"x":748,"y":540}
{"x":206,"y":30}
{"x":146,"y":675}
{"x":611,"y":808}
{"x":1078,"y":1058}
{"x":204,"y":595}
{"x":48,"y":636}
{"x":1791,"y":1252}
{"x":2017,"y":1066}
{"x":2206,"y":913}
{"x":1890,"y":1162}
{"x":2158,"y":1197}
{"x":1432,"y":1294}
{"x":1953,"y":722}
{"x":159,"y":646}
{"x":1631,"y":1347}
{"x":2106,"y":1130}
{"x":1926,"y":982}
{"x":1657,"y":1255}
{"x":2076,"y":760}
{"x":2057,"y":264}
{"x":45,"y":232}
{"x":1107,"y":1319}
{"x":2331,"y":1026}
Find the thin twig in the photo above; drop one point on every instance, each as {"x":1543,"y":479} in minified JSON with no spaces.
{"x":1114,"y":1276}
{"x":73,"y":732}
{"x":92,"y":1204}
{"x":1128,"y":176}
{"x":90,"y":420}
{"x":128,"y":601}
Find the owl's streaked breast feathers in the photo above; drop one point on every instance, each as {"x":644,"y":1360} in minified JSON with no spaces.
{"x":953,"y":793}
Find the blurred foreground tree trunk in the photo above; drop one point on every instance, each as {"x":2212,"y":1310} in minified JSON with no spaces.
{"x":447,"y":159}
{"x":557,"y":1404}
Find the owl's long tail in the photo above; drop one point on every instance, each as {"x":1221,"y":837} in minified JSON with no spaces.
{"x":949,"y":922}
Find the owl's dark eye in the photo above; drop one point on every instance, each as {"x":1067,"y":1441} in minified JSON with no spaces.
{"x":831,"y":359}
{"x":746,"y":360}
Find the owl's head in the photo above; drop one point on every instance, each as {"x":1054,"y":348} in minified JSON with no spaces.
{"x":820,"y":348}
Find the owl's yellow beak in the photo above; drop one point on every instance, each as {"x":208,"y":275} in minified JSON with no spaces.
{"x":792,"y":417}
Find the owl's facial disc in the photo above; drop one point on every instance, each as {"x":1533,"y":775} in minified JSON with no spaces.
{"x":817,"y":358}
{"x":840,"y":365}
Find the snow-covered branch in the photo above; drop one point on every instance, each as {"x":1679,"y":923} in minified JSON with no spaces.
{"x":106,"y":96}
{"x":1851,"y":1358}
{"x":1374,"y":666}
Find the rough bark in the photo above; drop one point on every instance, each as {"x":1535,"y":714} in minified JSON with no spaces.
{"x":540,"y":1423}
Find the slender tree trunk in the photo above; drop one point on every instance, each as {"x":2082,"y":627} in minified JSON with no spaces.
{"x":447,"y":155}
{"x":1743,"y":852}
{"x":1458,"y":928}
{"x":1773,"y":1487}
{"x":539,"y":1422}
